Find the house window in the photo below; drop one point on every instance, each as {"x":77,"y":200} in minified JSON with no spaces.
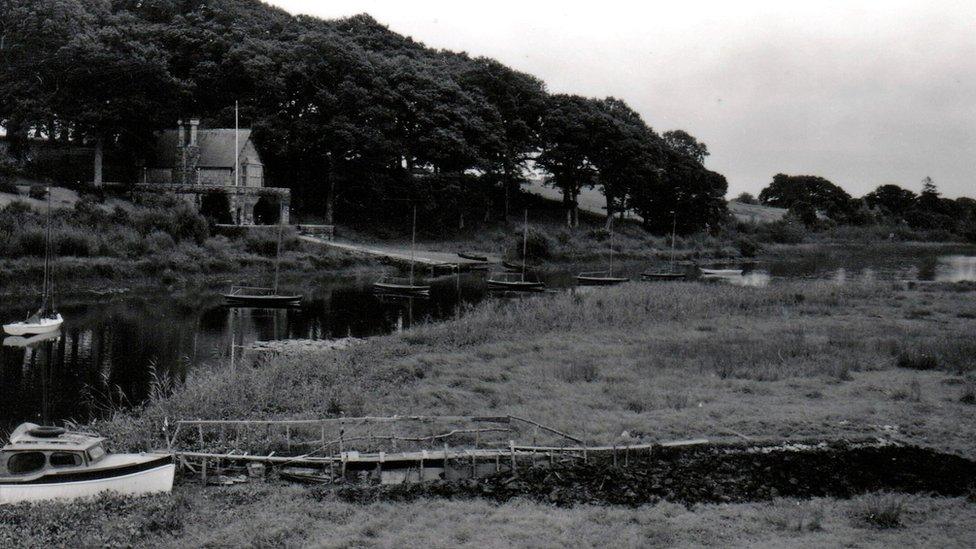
{"x":64,"y":459}
{"x":22,"y":463}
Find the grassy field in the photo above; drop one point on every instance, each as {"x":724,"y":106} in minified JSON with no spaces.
{"x":632,"y":363}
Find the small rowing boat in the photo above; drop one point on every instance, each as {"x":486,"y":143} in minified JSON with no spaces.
{"x":50,"y":463}
{"x":721,"y":272}
{"x":259,"y":297}
{"x":402,"y":286}
{"x":513,"y":282}
{"x":662,"y":276}
{"x":599,"y":278}
{"x":471,"y":256}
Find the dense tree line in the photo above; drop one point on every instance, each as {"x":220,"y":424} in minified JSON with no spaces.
{"x":817,"y":201}
{"x":353,"y":117}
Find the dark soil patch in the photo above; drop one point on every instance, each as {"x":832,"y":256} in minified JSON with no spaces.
{"x":708,"y":475}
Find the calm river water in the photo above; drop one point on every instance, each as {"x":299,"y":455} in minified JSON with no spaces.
{"x":110,"y":344}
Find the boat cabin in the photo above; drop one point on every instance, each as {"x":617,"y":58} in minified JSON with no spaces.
{"x":35,"y":450}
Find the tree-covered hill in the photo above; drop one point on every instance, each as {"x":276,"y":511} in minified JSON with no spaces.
{"x":353,"y":117}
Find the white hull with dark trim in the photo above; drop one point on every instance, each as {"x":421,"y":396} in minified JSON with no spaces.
{"x":43,"y":326}
{"x":134,"y":475}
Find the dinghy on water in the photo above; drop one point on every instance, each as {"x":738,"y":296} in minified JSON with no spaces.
{"x":50,"y":463}
{"x":46,"y":319}
{"x":472,"y":256}
{"x":409,"y":285}
{"x":515,"y":281}
{"x":721,"y":272}
{"x":602,"y":278}
{"x":257,"y":296}
{"x":661,"y":276}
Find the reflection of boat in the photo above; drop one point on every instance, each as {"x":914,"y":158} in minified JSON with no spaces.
{"x":663,"y":276}
{"x":21,"y":341}
{"x":261,"y":296}
{"x":721,"y":272}
{"x":46,"y":319}
{"x":49,"y":463}
{"x":599,"y":278}
{"x":472,"y":256}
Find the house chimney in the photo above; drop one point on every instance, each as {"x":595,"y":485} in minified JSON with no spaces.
{"x":194,"y":122}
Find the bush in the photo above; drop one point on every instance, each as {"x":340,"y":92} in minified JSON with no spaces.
{"x":159,"y":241}
{"x":537,"y":246}
{"x":72,"y":242}
{"x":782,"y":232}
{"x":747,"y":246}
{"x":38,"y":192}
{"x":916,"y":360}
{"x":7,"y":186}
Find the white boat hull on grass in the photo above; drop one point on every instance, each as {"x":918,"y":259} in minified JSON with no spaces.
{"x":43,"y":326}
{"x":156,"y":479}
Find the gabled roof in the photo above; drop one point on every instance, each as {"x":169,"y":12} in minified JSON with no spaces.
{"x":216,"y":147}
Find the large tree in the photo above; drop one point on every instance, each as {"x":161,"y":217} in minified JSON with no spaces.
{"x":568,"y":127}
{"x":807,"y":196}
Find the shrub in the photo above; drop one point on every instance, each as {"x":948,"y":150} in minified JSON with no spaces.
{"x":916,"y":360}
{"x":794,"y":516}
{"x":159,"y":241}
{"x":878,"y":510}
{"x":7,"y":186}
{"x":576,"y":372}
{"x":782,"y":232}
{"x":38,"y":192}
{"x":537,"y":246}
{"x":265,"y":242}
{"x":747,"y":246}
{"x":73,"y":242}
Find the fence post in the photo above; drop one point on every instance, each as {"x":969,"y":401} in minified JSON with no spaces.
{"x":511,"y":447}
{"x":614,"y":455}
{"x":288,"y":437}
{"x":200,"y":432}
{"x":203,"y":472}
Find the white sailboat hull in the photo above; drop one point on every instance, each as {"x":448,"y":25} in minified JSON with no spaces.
{"x":151,"y":481}
{"x":44,"y":326}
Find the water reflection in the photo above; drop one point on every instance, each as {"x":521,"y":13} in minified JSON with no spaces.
{"x":956,"y":268}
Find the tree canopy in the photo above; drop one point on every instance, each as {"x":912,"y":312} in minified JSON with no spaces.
{"x":347,"y":113}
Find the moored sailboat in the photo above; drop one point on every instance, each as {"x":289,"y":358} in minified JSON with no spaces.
{"x":515,"y":281}
{"x":602,"y":278}
{"x":258,"y":296}
{"x":46,"y":319}
{"x":399,"y":285}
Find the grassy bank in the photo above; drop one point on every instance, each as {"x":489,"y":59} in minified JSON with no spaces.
{"x":657,"y":361}
{"x":96,"y":246}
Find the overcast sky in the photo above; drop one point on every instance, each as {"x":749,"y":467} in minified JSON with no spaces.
{"x":862,"y":93}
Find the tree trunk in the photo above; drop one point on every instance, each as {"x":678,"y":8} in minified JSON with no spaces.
{"x":330,"y":198}
{"x":99,"y":146}
{"x":568,"y":205}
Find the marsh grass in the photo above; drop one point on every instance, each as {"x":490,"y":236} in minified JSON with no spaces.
{"x":794,"y":516}
{"x":879,"y":510}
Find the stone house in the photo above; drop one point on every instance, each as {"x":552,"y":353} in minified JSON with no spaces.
{"x":190,"y":155}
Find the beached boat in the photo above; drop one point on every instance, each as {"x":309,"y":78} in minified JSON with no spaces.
{"x":46,"y":319}
{"x":49,"y":463}
{"x":257,"y":296}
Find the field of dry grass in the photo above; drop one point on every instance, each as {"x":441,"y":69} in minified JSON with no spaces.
{"x":657,"y":361}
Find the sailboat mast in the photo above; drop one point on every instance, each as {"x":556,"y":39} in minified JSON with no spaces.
{"x":413,"y":241}
{"x":674,"y":229}
{"x":277,"y":258}
{"x":611,"y":246}
{"x":47,"y":251}
{"x":525,"y":241}
{"x":237,"y":149}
